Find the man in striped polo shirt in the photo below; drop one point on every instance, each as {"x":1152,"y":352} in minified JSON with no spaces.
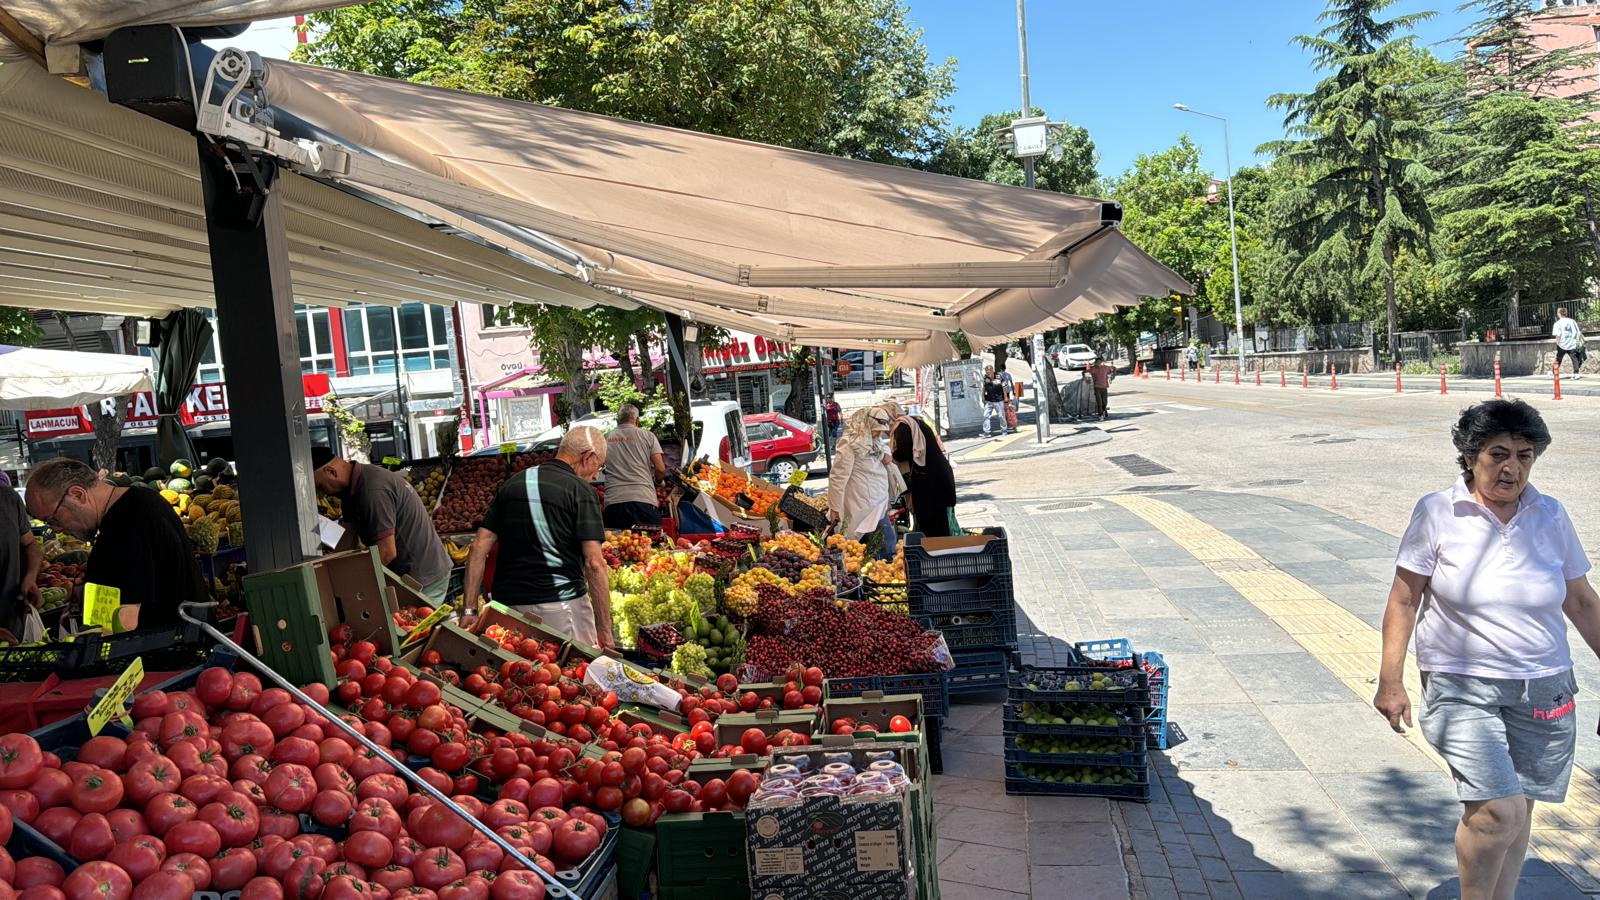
{"x":547,"y":522}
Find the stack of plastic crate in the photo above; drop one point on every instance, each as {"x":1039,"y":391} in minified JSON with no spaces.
{"x":1077,"y":730}
{"x":1119,"y":652}
{"x":966,"y":593}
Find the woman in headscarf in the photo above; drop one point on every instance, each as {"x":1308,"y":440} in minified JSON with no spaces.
{"x":928,"y":476}
{"x":859,"y":482}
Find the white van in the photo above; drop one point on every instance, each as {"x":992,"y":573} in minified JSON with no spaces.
{"x":719,"y":423}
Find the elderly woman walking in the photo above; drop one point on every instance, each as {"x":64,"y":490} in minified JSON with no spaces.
{"x":922,"y":460}
{"x":1486,"y":572}
{"x":864,"y":479}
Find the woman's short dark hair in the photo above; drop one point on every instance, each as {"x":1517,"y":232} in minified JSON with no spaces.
{"x":1482,"y":422}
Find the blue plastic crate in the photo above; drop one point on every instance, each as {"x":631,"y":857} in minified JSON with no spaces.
{"x":1109,"y":650}
{"x":992,"y":558}
{"x":992,"y":627}
{"x":979,"y":670}
{"x":961,"y":596}
{"x":1157,"y":732}
{"x":933,"y":686}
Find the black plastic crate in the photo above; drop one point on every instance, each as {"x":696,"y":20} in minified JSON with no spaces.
{"x":993,"y":558}
{"x":1123,"y":685}
{"x":961,"y":596}
{"x":1132,"y":724}
{"x":1016,"y":750}
{"x":1019,"y":783}
{"x":179,"y":646}
{"x":996,"y":627}
{"x":934,"y":687}
{"x":933,"y":730}
{"x":977,"y":671}
{"x":801,"y":513}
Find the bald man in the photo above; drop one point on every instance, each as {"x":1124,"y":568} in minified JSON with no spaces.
{"x":547,"y":523}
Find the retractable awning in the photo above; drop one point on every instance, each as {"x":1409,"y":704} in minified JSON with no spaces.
{"x":443,"y":196}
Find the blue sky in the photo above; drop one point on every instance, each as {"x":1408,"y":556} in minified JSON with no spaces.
{"x":1117,"y":67}
{"x":1113,"y":66}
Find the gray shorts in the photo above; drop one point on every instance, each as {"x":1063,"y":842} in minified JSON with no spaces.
{"x":1501,"y":736}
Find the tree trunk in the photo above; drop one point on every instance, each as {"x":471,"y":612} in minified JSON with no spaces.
{"x":1591,"y":220}
{"x":1388,"y":298}
{"x":999,"y":352}
{"x":577,"y":393}
{"x":625,"y":362}
{"x":107,"y":431}
{"x":647,"y":369}
{"x":695,"y":362}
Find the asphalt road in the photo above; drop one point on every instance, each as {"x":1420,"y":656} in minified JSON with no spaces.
{"x":1364,"y":453}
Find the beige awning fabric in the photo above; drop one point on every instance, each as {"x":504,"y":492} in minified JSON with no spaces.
{"x":76,"y":21}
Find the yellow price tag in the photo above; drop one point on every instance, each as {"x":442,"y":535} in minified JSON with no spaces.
{"x":391,"y":460}
{"x":112,"y":705}
{"x":432,"y":619}
{"x":508,"y":449}
{"x":100,"y":604}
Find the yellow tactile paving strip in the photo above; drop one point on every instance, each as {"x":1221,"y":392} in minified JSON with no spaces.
{"x":1566,"y":835}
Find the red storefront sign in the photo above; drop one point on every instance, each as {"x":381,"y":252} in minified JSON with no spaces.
{"x":206,"y":403}
{"x":759,"y":351}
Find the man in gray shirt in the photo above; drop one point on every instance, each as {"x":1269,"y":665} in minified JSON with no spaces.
{"x":386,"y":513}
{"x":633,"y":466}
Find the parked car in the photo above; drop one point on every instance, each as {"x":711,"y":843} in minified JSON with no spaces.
{"x":720,"y":424}
{"x":779,"y":445}
{"x":1075,"y":356}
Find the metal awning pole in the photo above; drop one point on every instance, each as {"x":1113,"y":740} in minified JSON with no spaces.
{"x":554,"y":887}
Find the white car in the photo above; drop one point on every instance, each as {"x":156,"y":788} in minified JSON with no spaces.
{"x":1075,"y":356}
{"x":720,"y":423}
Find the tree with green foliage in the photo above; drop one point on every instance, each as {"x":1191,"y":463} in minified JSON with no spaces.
{"x":849,"y":77}
{"x":980,"y":153}
{"x":1520,"y":167}
{"x":1358,"y":135}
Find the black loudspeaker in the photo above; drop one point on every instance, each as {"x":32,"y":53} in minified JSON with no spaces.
{"x":147,"y":70}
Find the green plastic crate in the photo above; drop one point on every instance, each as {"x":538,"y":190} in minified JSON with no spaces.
{"x":697,"y":851}
{"x":636,"y":856}
{"x":291,"y":610}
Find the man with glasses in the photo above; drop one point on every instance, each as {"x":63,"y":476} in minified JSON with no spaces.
{"x":546,"y":521}
{"x":140,"y":547}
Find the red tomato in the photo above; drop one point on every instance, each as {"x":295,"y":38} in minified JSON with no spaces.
{"x":98,"y":790}
{"x":246,"y":687}
{"x":451,"y":757}
{"x":276,"y":823}
{"x":574,"y":840}
{"x":234,"y":817}
{"x":284,"y":718}
{"x":91,"y":838}
{"x":436,"y":825}
{"x":900,"y":724}
{"x":389,"y":787}
{"x":369,"y":763}
{"x":194,"y":837}
{"x":422,"y":694}
{"x":369,"y":849}
{"x":677,"y":800}
{"x":151,"y":703}
{"x":192,"y":865}
{"x":544,"y":792}
{"x":517,"y":884}
{"x":97,"y":881}
{"x":608,"y":798}
{"x":36,"y":870}
{"x":140,"y":857}
{"x":165,"y":811}
{"x":332,"y":807}
{"x":482,"y":855}
{"x":636,"y":813}
{"x":214,"y":686}
{"x":165,"y":885}
{"x":151,"y":776}
{"x":376,"y":815}
{"x":393,"y":878}
{"x":262,"y":888}
{"x":437,"y":867}
{"x":232,"y":869}
{"x":202,"y":789}
{"x":245,"y":737}
{"x":181,"y":725}
{"x":52,"y":787}
{"x":336,"y":751}
{"x":57,"y":823}
{"x":104,"y":751}
{"x":20,"y":760}
{"x":304,"y":877}
{"x":291,"y":788}
{"x":472,"y":887}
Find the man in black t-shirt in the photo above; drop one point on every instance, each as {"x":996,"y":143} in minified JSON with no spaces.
{"x":140,"y":546}
{"x":547,"y":523}
{"x":388,"y":514}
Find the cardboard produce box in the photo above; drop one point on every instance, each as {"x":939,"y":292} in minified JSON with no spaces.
{"x":730,"y":726}
{"x":857,"y":846}
{"x":496,"y":613}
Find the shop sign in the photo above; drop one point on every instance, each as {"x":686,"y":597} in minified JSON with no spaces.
{"x":739,"y":352}
{"x":206,"y":403}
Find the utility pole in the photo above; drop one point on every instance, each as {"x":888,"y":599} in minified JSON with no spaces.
{"x":1041,"y":396}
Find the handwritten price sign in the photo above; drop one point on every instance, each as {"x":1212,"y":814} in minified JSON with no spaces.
{"x":114,"y":704}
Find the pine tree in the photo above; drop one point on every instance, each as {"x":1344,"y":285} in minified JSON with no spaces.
{"x":1358,"y":134}
{"x":1517,"y":212}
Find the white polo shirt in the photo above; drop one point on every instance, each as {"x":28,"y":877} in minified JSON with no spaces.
{"x":1492,"y":608}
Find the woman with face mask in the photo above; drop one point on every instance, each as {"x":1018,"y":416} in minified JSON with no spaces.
{"x":859,"y":485}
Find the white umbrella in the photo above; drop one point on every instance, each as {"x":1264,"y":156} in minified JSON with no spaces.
{"x":31,"y":378}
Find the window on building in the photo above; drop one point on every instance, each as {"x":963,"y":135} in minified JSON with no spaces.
{"x":316,"y":343}
{"x":373,"y":334}
{"x":496,"y":316}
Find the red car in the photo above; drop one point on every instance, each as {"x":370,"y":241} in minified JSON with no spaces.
{"x":779,"y":445}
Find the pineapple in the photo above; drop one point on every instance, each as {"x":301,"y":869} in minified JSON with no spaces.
{"x":205,"y":534}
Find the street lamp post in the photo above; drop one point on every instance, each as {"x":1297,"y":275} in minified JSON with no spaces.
{"x":1041,"y":396}
{"x":1233,"y":234}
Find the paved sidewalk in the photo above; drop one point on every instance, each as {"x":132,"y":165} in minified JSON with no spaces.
{"x":1282,"y":781}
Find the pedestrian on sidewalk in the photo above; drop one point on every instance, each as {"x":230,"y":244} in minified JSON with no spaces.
{"x":994,"y":400}
{"x":1012,"y":390}
{"x":834,"y":416}
{"x":1569,"y":342}
{"x":1193,"y":356}
{"x":860,"y":483}
{"x":1100,"y":375}
{"x":929,"y":479}
{"x":1485,"y":572}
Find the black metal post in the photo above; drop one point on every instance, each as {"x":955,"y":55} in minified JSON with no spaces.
{"x":256,"y":320}
{"x":678,"y":385}
{"x":822,"y":403}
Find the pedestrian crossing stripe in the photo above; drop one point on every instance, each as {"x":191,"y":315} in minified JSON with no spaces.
{"x":1564,"y":834}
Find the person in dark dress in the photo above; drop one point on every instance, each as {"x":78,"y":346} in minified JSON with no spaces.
{"x":140,"y":546}
{"x":929,"y":478}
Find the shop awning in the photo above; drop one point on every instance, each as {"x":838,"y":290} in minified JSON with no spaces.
{"x":796,"y":246}
{"x":31,"y":378}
